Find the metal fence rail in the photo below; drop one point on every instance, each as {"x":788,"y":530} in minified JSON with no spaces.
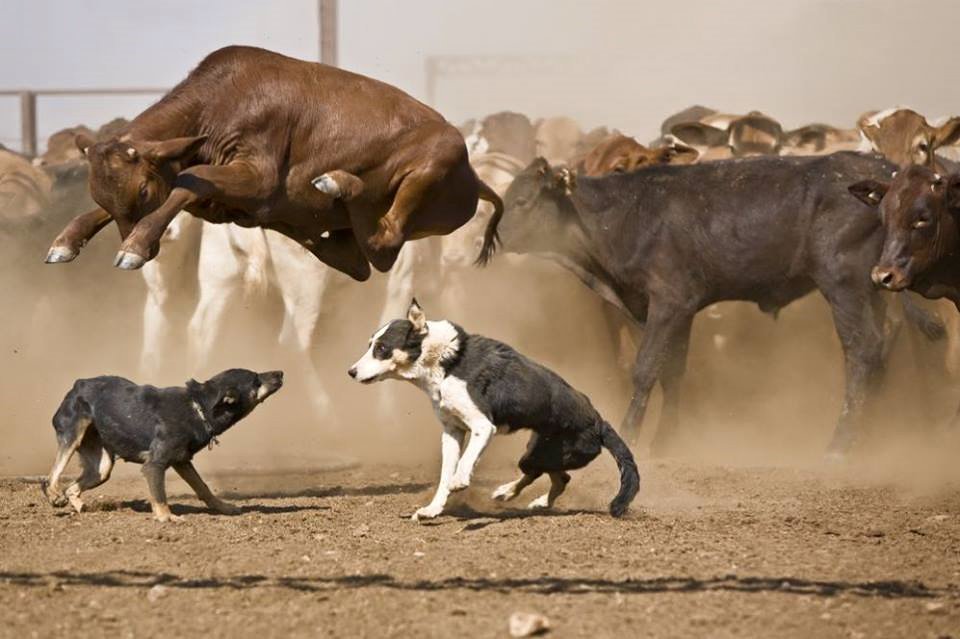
{"x":28,"y":106}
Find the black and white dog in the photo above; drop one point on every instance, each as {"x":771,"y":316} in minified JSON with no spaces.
{"x":481,"y":386}
{"x":107,"y":417}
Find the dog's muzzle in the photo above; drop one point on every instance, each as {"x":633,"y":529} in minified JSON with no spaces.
{"x":270,"y":383}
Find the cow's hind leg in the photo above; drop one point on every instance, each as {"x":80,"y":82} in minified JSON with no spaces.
{"x":96,"y":463}
{"x":671,"y":377}
{"x":858,"y":317}
{"x":666,"y":327}
{"x":338,"y":184}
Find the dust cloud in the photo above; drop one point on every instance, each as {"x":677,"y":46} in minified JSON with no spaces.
{"x":759,"y":391}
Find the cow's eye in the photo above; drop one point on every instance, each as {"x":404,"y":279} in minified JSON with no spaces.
{"x":144,"y":192}
{"x":521,"y":201}
{"x":923,"y":146}
{"x":921,"y":223}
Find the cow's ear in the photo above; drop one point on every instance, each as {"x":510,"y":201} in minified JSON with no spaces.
{"x":565,"y":179}
{"x":416,"y":316}
{"x":870,"y":192}
{"x":83,"y":142}
{"x":947,"y":133}
{"x":176,"y":149}
{"x":677,"y":153}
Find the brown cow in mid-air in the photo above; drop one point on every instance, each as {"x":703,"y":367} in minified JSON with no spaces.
{"x":347,"y":166}
{"x":619,"y":153}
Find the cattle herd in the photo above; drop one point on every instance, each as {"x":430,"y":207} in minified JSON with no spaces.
{"x":347,"y":173}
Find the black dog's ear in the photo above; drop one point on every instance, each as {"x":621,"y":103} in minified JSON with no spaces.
{"x":194,"y":386}
{"x":870,"y":192}
{"x":227,"y":397}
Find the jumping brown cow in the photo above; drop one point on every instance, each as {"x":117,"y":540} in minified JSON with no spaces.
{"x":347,"y":166}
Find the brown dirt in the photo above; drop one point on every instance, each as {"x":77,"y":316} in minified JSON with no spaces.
{"x":707,"y":551}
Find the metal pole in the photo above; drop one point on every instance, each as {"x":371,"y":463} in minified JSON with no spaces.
{"x":28,"y":123}
{"x":328,"y":32}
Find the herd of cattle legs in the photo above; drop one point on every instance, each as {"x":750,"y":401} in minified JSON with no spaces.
{"x":710,"y":211}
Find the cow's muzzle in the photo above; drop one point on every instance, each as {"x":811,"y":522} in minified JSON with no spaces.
{"x":890,"y":278}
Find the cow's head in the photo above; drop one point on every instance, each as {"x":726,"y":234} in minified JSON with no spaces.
{"x":537,"y":209}
{"x":918,"y":210}
{"x":904,"y":137}
{"x":129,"y":179}
{"x":622,"y":154}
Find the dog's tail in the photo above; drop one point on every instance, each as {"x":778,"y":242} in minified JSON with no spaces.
{"x":629,"y":475}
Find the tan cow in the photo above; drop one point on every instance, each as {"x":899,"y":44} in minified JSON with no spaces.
{"x":904,"y":137}
{"x":25,"y":190}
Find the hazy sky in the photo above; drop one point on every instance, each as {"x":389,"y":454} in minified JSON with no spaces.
{"x":623,"y":63}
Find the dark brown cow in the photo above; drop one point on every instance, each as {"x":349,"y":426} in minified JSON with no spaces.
{"x":620,"y":153}
{"x":347,"y":166}
{"x":919,"y":210}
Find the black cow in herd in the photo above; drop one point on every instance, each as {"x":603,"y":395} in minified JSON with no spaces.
{"x":664,"y":242}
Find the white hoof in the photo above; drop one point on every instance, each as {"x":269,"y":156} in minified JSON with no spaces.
{"x":59,"y":255}
{"x":427,"y":512}
{"x":326,"y":184}
{"x":128,"y":261}
{"x":504,"y":493}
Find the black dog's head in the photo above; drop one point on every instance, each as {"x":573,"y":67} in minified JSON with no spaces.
{"x":230,"y":396}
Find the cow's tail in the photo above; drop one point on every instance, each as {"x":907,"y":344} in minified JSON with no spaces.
{"x":926,"y":322}
{"x":629,"y":475}
{"x":490,"y":235}
{"x":256,"y":276}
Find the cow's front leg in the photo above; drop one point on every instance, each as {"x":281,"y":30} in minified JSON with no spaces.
{"x":858,"y":317}
{"x":66,"y":247}
{"x":239,"y":180}
{"x":451,"y":442}
{"x":339,"y":185}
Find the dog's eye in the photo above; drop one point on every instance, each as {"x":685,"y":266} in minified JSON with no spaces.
{"x":381,"y":350}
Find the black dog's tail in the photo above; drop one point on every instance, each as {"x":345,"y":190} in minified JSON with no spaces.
{"x":629,"y":475}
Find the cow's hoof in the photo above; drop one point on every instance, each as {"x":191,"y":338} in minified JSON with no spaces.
{"x":128,"y":261}
{"x":326,"y":184}
{"x":60,"y":254}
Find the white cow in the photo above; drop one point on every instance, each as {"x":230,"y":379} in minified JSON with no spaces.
{"x":236,"y":261}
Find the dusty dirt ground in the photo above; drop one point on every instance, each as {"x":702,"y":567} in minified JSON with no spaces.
{"x":706,"y":551}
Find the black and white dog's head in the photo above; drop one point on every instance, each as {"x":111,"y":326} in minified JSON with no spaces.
{"x":410,"y":348}
{"x":228,"y":397}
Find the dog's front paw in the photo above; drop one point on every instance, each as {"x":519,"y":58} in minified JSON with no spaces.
{"x":165,"y":518}
{"x":226,"y":508}
{"x":56,"y":498}
{"x":458,"y":483}
{"x":427,"y":512}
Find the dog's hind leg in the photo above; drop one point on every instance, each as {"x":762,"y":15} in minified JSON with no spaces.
{"x":192,"y":477}
{"x":96,"y":463}
{"x":153,"y":473}
{"x":558,"y":483}
{"x":510,"y":490}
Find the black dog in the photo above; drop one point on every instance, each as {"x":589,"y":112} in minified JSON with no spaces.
{"x":481,"y":386}
{"x":107,"y":417}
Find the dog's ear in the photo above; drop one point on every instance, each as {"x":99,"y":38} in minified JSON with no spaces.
{"x":416,"y":317}
{"x":227,"y":397}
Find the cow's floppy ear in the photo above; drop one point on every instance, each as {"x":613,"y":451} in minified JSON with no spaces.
{"x":947,"y":133}
{"x":416,"y":317}
{"x":870,"y":192}
{"x":176,"y":149}
{"x":83,"y":142}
